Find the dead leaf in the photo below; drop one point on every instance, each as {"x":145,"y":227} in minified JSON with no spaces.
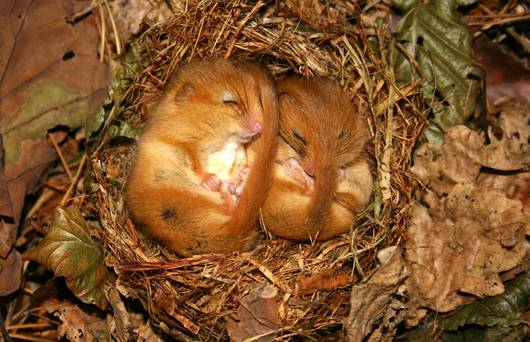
{"x":130,"y":14}
{"x":463,"y":154}
{"x":461,"y":243}
{"x":258,"y":315}
{"x":506,"y":76}
{"x":6,"y":208}
{"x":473,"y":224}
{"x":22,"y":178}
{"x":69,"y":251}
{"x":328,"y":279}
{"x":11,"y":272}
{"x":147,"y":334}
{"x":120,"y":315}
{"x":374,"y":300}
{"x":515,"y":186}
{"x":49,"y":76}
{"x":77,"y":325}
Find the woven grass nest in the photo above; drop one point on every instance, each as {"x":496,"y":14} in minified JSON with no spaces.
{"x":192,"y":297}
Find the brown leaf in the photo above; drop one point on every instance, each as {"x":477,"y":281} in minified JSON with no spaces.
{"x":374,"y":300}
{"x":20,"y":181}
{"x":121,"y":318}
{"x":11,"y":272}
{"x":464,"y":152}
{"x":24,"y":176}
{"x":129,"y":15}
{"x":6,"y":208}
{"x":461,"y":243}
{"x":328,"y":279}
{"x":473,"y":224}
{"x":506,"y":76}
{"x":77,"y":325}
{"x":514,"y":186}
{"x":49,"y":76}
{"x":258,"y":315}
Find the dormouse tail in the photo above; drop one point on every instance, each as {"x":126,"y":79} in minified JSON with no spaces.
{"x":325,"y":178}
{"x":246,"y":214}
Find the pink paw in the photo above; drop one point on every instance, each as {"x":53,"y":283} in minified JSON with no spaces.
{"x":296,"y":171}
{"x":211,"y":182}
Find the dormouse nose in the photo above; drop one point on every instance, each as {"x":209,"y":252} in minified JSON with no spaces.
{"x":252,"y":126}
{"x":258,"y":127}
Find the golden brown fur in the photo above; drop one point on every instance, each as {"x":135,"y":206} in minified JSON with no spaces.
{"x":206,"y":103}
{"x":321,"y":178}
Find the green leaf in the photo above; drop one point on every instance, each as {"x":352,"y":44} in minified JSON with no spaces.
{"x":95,"y":122}
{"x":497,"y":318}
{"x":502,"y":312}
{"x":69,"y":251}
{"x":433,"y":38}
{"x":134,"y":61}
{"x":123,"y":130}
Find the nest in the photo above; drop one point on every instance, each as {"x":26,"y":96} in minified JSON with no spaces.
{"x":194,"y":296}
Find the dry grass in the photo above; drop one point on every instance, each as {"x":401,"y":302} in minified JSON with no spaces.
{"x":194,"y":295}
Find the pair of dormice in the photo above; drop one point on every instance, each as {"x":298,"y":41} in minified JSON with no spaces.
{"x":225,"y":143}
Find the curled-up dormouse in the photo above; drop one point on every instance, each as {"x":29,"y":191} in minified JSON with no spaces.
{"x":204,"y":160}
{"x":321,"y":176}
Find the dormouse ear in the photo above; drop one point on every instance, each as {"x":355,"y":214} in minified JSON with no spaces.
{"x":183,"y":90}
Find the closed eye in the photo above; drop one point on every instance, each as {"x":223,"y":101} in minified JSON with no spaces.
{"x":228,"y":98}
{"x":299,"y":138}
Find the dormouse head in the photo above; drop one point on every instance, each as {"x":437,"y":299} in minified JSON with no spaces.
{"x":319,"y":123}
{"x":218,"y":98}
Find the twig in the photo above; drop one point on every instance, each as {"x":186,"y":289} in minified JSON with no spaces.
{"x":29,"y":326}
{"x":114,"y":28}
{"x":5,"y":335}
{"x":61,"y":157}
{"x":242,"y":24}
{"x":74,"y":181}
{"x":31,"y":338}
{"x":85,"y":11}
{"x":103,"y":33}
{"x":46,"y":195}
{"x":525,"y":42}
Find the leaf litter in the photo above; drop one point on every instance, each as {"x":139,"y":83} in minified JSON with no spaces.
{"x":43,"y":83}
{"x":467,"y":229}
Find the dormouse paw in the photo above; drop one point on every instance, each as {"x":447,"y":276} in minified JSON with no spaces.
{"x":293,"y":168}
{"x":211,"y":182}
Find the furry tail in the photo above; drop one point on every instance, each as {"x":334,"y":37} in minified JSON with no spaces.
{"x":319,"y":208}
{"x":245,"y":216}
